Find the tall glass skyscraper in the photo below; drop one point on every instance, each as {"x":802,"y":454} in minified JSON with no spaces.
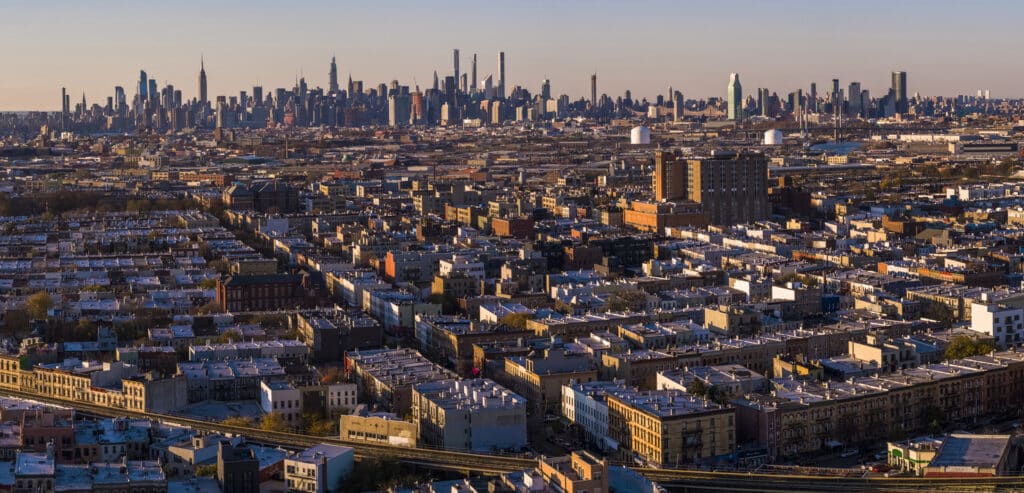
{"x":735,"y":97}
{"x":899,"y":91}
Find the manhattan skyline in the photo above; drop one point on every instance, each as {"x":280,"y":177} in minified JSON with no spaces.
{"x":644,"y":47}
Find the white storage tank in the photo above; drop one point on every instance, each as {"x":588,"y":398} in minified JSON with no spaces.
{"x":640,"y":135}
{"x":773,"y":137}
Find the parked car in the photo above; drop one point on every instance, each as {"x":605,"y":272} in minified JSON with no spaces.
{"x":849,"y":452}
{"x":881,"y":467}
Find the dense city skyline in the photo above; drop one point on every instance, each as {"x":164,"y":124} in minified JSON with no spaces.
{"x":783,"y":47}
{"x":580,"y":245}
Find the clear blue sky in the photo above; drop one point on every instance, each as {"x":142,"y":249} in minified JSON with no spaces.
{"x":947,"y":47}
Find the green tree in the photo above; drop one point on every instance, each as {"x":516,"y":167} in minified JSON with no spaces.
{"x":562,"y":307}
{"x":237,"y":421}
{"x":891,"y":182}
{"x":317,"y":425}
{"x":17,"y":323}
{"x":206,"y":470}
{"x":377,"y":475}
{"x":965,"y":347}
{"x":38,"y":305}
{"x":84,"y":330}
{"x":208,"y":283}
{"x":697,"y":387}
{"x":229,"y":336}
{"x":274,"y":422}
{"x":207,"y":308}
{"x":516,"y":320}
{"x":717,"y":394}
{"x":939,"y":312}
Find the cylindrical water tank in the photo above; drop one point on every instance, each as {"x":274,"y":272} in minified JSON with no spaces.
{"x":773,"y":137}
{"x":640,"y":135}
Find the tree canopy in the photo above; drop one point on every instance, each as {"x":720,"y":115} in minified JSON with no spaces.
{"x":38,"y":305}
{"x":516,"y":320}
{"x":965,"y":347}
{"x":274,"y":422}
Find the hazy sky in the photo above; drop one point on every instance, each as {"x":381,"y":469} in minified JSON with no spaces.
{"x":947,"y":47}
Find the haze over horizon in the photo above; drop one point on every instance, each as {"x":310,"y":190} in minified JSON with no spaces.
{"x":644,"y":46}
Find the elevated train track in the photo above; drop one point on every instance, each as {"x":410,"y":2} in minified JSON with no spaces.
{"x":492,"y":463}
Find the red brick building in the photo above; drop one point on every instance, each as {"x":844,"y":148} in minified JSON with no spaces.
{"x":262,"y":292}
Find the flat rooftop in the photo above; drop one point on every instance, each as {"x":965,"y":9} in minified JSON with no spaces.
{"x":962,"y":450}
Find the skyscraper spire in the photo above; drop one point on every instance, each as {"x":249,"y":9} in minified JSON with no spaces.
{"x":202,"y":81}
{"x":333,"y":75}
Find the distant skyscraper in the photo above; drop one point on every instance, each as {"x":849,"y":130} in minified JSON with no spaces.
{"x":678,"y":105}
{"x":119,"y":100}
{"x":334,"y":76}
{"x":457,"y":74}
{"x":143,"y":85}
{"x":813,"y":97}
{"x":488,"y":89}
{"x":735,"y":97}
{"x":472,"y":77}
{"x":899,"y":90}
{"x":63,"y":107}
{"x":854,"y":99}
{"x":399,"y":109}
{"x":545,"y":90}
{"x":418,"y":109}
{"x":202,"y":82}
{"x":593,"y":90}
{"x":451,"y":99}
{"x":501,"y":75}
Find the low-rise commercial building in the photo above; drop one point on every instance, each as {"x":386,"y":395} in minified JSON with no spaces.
{"x":380,"y":428}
